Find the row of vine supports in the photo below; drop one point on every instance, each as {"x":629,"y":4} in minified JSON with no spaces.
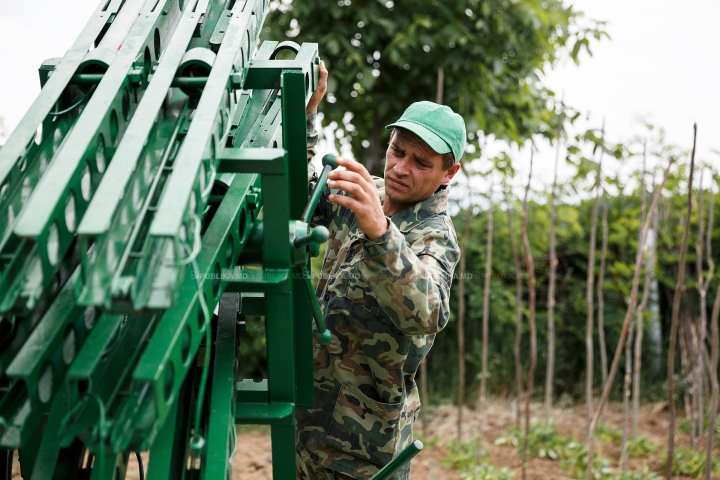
{"x":695,"y":359}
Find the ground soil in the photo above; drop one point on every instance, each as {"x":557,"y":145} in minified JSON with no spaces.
{"x":253,"y":460}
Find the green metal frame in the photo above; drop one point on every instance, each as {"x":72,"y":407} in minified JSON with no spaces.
{"x":109,"y":270}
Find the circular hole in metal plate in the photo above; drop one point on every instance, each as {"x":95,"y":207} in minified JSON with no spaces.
{"x":53,"y":244}
{"x":57,"y":138}
{"x":70,"y":213}
{"x":68,"y":348}
{"x":203,"y":179}
{"x":89,"y":317}
{"x":113,"y":127}
{"x":38,"y":136}
{"x":156,"y":43}
{"x":86,"y":182}
{"x":100,"y":154}
{"x":136,"y":196}
{"x":216,"y":280}
{"x":111,"y":254}
{"x":4,"y":189}
{"x":201,"y":319}
{"x":241,"y":224}
{"x":125,"y":105}
{"x":193,"y":202}
{"x":45,"y":384}
{"x":229,"y":247}
{"x":168,"y":378}
{"x":11,"y":216}
{"x":185,"y":345}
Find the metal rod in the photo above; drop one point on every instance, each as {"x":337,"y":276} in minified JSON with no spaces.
{"x":95,"y":78}
{"x":398,"y":462}
{"x":330,"y":162}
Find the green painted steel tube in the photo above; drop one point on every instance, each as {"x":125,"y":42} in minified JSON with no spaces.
{"x":330,"y":162}
{"x":397,"y":463}
{"x":326,"y":336}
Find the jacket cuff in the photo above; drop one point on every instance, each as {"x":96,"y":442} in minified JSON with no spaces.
{"x":391,"y":240}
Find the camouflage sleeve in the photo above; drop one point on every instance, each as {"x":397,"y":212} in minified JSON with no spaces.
{"x":312,"y":136}
{"x":412,"y":281}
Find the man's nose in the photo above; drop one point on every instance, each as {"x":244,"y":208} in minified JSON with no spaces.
{"x":401,"y":168}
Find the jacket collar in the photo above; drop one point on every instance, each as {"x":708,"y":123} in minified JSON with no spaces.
{"x":418,"y":213}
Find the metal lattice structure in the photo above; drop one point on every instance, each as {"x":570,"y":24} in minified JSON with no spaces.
{"x":129,"y":203}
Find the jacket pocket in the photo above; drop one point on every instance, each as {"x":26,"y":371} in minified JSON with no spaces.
{"x":364,"y":428}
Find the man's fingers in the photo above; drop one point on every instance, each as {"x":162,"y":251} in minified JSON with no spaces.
{"x":352,"y":188}
{"x":320,"y":90}
{"x":357,"y":167}
{"x":347,"y":202}
{"x":349,"y":176}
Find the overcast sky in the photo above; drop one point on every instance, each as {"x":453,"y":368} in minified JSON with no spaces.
{"x":663,"y":61}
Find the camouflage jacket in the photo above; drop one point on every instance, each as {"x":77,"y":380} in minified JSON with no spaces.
{"x":383,"y":300}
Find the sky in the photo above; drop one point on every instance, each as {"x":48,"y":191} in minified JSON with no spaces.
{"x":663,"y":62}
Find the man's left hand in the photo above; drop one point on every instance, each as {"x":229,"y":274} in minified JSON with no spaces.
{"x":364,"y":200}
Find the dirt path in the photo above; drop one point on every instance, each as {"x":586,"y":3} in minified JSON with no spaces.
{"x":252,"y":460}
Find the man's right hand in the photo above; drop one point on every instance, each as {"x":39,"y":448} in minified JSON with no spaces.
{"x":319,"y":92}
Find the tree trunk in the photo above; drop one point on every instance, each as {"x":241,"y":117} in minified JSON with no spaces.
{"x":550,"y":372}
{"x":714,"y":383}
{"x":486,"y":322}
{"x":641,"y":307}
{"x":625,"y":327}
{"x":461,"y":311}
{"x":712,"y":370}
{"x":600,"y":294}
{"x":375,"y":141}
{"x":529,"y":266}
{"x":702,"y":292}
{"x":679,"y":289}
{"x":589,"y":289}
{"x":518,"y":309}
{"x":626,"y":397}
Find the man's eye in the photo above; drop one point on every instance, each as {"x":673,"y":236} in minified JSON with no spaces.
{"x":421,"y":164}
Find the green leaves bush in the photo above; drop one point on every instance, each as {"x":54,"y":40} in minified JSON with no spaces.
{"x":463,"y":458}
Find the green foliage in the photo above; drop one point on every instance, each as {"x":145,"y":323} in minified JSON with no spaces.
{"x":463,"y":458}
{"x":544,"y":440}
{"x":638,"y":475}
{"x":690,"y":463}
{"x":606,"y":433}
{"x":641,"y":447}
{"x":575,"y":461}
{"x":383,"y":55}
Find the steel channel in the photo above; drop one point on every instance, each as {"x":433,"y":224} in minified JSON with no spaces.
{"x":119,"y":196}
{"x":164,"y":352}
{"x":177,"y":204}
{"x":40,"y":365}
{"x":43,"y":219}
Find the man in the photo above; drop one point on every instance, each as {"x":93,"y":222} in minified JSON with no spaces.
{"x":384,"y":293}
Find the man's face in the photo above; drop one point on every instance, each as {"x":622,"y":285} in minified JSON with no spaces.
{"x":413,"y":170}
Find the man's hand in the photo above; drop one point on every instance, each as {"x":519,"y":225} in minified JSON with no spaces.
{"x":363,"y":200}
{"x":319,"y":92}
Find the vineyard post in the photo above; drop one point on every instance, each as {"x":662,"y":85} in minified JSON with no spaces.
{"x":702,"y":293}
{"x":486,"y":317}
{"x":531,"y":316}
{"x":461,"y":308}
{"x":590,"y":287}
{"x":518,"y":307}
{"x":643,"y":302}
{"x":713,"y":355}
{"x":625,"y":327}
{"x":550,"y":372}
{"x":679,"y":289}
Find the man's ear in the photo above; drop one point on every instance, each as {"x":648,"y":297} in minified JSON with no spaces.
{"x":450,"y":173}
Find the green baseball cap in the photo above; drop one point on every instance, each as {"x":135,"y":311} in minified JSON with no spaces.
{"x":441,"y":128}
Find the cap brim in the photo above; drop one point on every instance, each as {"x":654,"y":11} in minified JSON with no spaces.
{"x":433,"y":140}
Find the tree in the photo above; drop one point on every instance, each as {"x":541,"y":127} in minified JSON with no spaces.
{"x":679,"y":290}
{"x":492,"y":55}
